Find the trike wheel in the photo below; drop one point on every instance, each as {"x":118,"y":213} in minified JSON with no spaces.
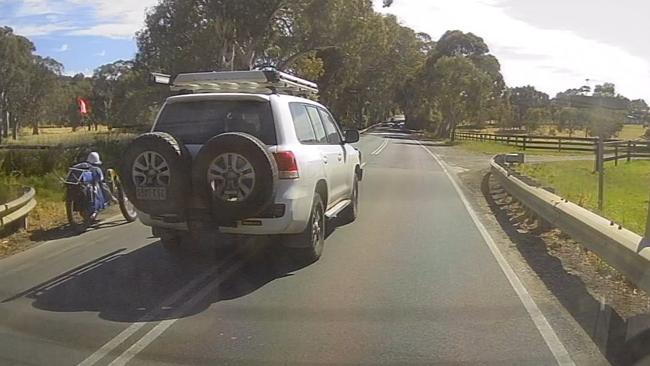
{"x":78,"y":218}
{"x":126,"y":207}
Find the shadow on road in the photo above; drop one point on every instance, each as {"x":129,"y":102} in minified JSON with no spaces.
{"x":65,"y":231}
{"x":125,"y":286}
{"x":623,"y":342}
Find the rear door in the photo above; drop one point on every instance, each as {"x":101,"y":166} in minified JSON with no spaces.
{"x":333,"y":154}
{"x":345,"y":168}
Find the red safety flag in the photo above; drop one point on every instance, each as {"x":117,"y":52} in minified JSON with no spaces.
{"x":83,"y":106}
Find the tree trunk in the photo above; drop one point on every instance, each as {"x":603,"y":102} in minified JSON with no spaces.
{"x":14,"y":131}
{"x":7,"y":125}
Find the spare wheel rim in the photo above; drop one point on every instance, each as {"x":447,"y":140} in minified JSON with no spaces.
{"x":151,"y":169}
{"x":231,"y":177}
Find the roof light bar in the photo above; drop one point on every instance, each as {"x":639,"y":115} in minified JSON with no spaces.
{"x":258,"y":82}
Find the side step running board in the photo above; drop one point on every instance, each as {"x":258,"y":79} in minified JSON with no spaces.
{"x":334,"y":211}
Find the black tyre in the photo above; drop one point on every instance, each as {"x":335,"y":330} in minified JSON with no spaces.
{"x":171,"y":240}
{"x":237,"y":174}
{"x":350,"y":213}
{"x":126,"y":207}
{"x":156,"y":172}
{"x":79,"y":217}
{"x":308,"y":246}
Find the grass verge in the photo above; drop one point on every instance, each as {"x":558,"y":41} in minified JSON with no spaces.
{"x":626,"y":188}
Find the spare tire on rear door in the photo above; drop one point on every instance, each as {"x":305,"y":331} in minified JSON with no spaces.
{"x":156,"y":174}
{"x":237,"y":174}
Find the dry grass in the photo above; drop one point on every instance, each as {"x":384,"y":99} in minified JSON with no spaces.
{"x":65,"y":136}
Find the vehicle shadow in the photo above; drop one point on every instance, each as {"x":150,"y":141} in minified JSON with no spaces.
{"x":136,"y":286}
{"x":66,"y":231}
{"x":623,"y":342}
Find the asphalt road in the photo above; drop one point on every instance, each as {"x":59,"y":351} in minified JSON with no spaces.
{"x":412,"y":281}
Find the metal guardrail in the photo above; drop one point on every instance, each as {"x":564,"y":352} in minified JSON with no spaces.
{"x":622,"y":249}
{"x":18,"y":209}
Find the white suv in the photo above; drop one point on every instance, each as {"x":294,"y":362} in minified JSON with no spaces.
{"x":260,"y":162}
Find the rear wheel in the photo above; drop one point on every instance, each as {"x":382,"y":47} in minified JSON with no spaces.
{"x":237,"y":174}
{"x":171,"y":240}
{"x":312,"y":240}
{"x":79,"y":218}
{"x":155,"y":174}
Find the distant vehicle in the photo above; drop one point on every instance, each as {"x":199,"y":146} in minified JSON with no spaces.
{"x":244,"y":153}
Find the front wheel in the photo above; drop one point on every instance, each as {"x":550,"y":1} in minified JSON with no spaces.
{"x":312,"y":240}
{"x":350,"y":213}
{"x":126,"y":207}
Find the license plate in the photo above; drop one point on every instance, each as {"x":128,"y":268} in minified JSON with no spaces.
{"x":151,"y":193}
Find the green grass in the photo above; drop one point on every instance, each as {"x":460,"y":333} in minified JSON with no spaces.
{"x":50,"y":208}
{"x":492,"y":148}
{"x":626,"y":188}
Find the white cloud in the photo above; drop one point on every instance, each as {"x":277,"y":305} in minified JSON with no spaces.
{"x":64,"y":47}
{"x":32,"y":30}
{"x":109,"y":18}
{"x":552,"y":60}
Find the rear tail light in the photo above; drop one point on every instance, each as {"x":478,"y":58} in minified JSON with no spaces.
{"x":287,"y":165}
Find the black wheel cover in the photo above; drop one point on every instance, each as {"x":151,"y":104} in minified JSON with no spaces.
{"x":265,"y":176}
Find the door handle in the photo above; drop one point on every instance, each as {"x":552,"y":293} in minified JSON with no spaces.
{"x":340,"y":156}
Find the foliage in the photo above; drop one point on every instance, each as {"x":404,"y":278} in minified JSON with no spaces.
{"x":524,"y":98}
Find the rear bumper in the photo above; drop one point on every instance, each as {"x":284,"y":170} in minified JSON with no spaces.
{"x":297,"y":202}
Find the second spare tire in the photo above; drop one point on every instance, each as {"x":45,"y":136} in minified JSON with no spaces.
{"x":155,"y":173}
{"x":237,"y":174}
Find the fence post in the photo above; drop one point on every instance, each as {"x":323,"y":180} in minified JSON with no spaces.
{"x":647,"y":225}
{"x":524,"y":137}
{"x":559,"y":144}
{"x":507,"y":140}
{"x":616,"y":155}
{"x":629,"y":151}
{"x":601,"y":172}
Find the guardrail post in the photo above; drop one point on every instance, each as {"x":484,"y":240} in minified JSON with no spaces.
{"x":615,"y":155}
{"x":559,"y":144}
{"x":524,"y":144}
{"x":601,"y":172}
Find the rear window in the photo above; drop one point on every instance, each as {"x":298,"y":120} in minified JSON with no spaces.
{"x":196,"y":122}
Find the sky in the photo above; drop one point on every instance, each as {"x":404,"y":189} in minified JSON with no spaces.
{"x":552,"y":44}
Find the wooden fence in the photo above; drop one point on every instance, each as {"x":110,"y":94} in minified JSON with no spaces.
{"x":614,"y":149}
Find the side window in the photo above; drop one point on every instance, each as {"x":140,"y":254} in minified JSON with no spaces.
{"x":316,"y":122}
{"x":331,"y":129}
{"x":302,"y":124}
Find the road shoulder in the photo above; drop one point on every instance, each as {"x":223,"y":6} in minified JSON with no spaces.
{"x":470,"y":169}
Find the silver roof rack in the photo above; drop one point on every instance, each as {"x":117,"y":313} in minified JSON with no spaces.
{"x":257,"y":82}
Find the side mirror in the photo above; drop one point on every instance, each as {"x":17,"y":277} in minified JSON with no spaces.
{"x":352,"y":136}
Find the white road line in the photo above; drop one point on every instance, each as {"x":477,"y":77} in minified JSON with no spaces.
{"x":109,"y":346}
{"x":552,"y":341}
{"x":161,"y":327}
{"x":380,"y":148}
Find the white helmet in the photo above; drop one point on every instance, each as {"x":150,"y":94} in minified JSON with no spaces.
{"x":93,"y":158}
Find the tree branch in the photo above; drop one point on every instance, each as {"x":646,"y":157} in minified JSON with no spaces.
{"x":291,"y":59}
